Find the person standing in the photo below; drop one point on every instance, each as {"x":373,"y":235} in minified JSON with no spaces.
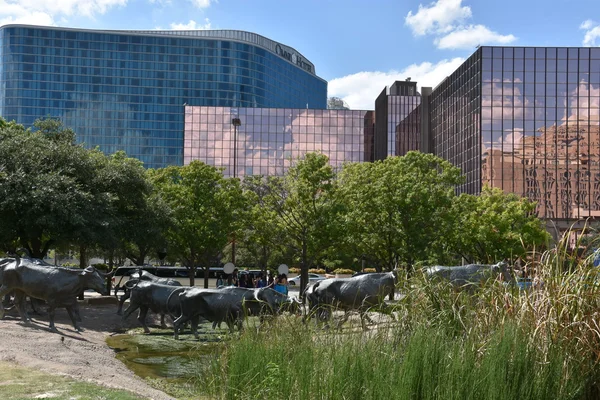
{"x":281,"y":285}
{"x":261,"y":281}
{"x":220,"y":281}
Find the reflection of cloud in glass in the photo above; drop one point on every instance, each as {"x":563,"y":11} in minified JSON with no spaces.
{"x":269,"y":140}
{"x":584,"y":104}
{"x":510,"y":104}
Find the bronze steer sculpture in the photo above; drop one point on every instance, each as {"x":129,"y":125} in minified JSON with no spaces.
{"x":147,"y":295}
{"x":469,"y":276}
{"x":144,"y":276}
{"x":360,"y":293}
{"x":229,"y":304}
{"x":58,"y":286}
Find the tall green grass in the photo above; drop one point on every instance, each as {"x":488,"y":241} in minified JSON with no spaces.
{"x":496,"y":342}
{"x":430,"y":364}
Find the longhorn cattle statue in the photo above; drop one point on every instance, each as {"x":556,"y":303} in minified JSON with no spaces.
{"x":468,"y":276}
{"x":360,"y":293}
{"x":228,"y":304}
{"x":147,"y":295}
{"x":58,"y":286}
{"x":143,"y":276}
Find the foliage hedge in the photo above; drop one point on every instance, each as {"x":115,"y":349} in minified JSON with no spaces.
{"x":316,"y":271}
{"x":343,"y":271}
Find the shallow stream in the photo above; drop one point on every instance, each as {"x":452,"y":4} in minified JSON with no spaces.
{"x":158,"y":355}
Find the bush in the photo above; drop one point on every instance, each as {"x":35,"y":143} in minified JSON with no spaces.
{"x":100,"y":266}
{"x":294,"y":270}
{"x":316,"y":271}
{"x":370,"y":270}
{"x":343,"y":271}
{"x":69,"y":265}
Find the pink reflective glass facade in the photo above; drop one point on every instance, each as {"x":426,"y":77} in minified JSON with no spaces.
{"x":270,"y":139}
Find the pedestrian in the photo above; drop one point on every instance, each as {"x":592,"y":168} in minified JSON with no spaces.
{"x":281,"y":285}
{"x":243,"y":281}
{"x":270,"y":281}
{"x":261,"y":282}
{"x":220,"y":281}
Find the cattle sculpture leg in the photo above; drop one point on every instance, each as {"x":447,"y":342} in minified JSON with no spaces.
{"x":20,"y":304}
{"x":4,"y":290}
{"x":142,"y":318}
{"x":51,"y":313}
{"x":122,"y":300}
{"x":74,"y":315}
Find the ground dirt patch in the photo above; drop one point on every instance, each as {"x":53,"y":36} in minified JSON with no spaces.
{"x":82,"y":356}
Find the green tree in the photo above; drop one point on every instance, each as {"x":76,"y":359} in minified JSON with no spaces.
{"x":495,"y":225}
{"x":138,"y":216}
{"x":398,"y":210}
{"x":306,"y":207}
{"x":47,"y":192}
{"x":261,"y":238}
{"x":205,"y":209}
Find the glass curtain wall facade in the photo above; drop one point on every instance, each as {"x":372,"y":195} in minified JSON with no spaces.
{"x":125,"y":90}
{"x":392,"y":108}
{"x":455,"y":121}
{"x":268,"y":140}
{"x":525,"y":120}
{"x":540,"y":116}
{"x":408,"y":132}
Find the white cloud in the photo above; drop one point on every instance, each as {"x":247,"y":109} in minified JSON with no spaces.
{"x":471,"y":36}
{"x":448,"y":17}
{"x":360,"y":90}
{"x":44,"y":12}
{"x":191,"y":26}
{"x":438,"y":17}
{"x":592,"y":32}
{"x":202,"y":3}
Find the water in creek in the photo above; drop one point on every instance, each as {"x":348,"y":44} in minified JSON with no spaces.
{"x":158,"y":355}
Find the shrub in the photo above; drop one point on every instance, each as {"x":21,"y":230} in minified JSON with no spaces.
{"x":69,"y":265}
{"x":343,"y":271}
{"x":370,"y":270}
{"x":294,"y":270}
{"x":316,"y":271}
{"x":100,"y":266}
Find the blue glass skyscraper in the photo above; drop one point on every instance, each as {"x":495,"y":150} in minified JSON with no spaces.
{"x":126,"y":90}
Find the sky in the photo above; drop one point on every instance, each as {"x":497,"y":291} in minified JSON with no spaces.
{"x":358,"y":46}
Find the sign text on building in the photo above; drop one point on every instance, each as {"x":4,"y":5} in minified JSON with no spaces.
{"x":293,"y":58}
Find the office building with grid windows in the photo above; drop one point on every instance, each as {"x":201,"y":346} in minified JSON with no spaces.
{"x":126,"y":90}
{"x":525,"y":120}
{"x":266,"y":141}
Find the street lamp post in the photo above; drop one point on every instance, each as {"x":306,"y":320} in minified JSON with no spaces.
{"x":235,"y":122}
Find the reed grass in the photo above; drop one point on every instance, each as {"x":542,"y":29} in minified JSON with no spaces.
{"x":495,"y":342}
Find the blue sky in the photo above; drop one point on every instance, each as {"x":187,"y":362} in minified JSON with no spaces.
{"x":357,"y":46}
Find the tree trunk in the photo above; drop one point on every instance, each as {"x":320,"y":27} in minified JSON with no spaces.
{"x":263,"y":261}
{"x":206,"y":269}
{"x":82,"y":264}
{"x":304,"y":270}
{"x":192,"y":270}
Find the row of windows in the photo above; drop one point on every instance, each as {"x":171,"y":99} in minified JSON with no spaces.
{"x":171,"y":87}
{"x":224,"y":39}
{"x":95,"y":40}
{"x":223,"y":113}
{"x":16,"y":62}
{"x":153,"y":78}
{"x":540,"y":52}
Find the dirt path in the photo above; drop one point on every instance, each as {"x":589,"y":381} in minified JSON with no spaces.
{"x":83,"y":356}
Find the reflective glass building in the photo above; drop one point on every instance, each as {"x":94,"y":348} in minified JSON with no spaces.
{"x":125,"y":90}
{"x":393,"y":107}
{"x":525,"y":120}
{"x":268,"y":140}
